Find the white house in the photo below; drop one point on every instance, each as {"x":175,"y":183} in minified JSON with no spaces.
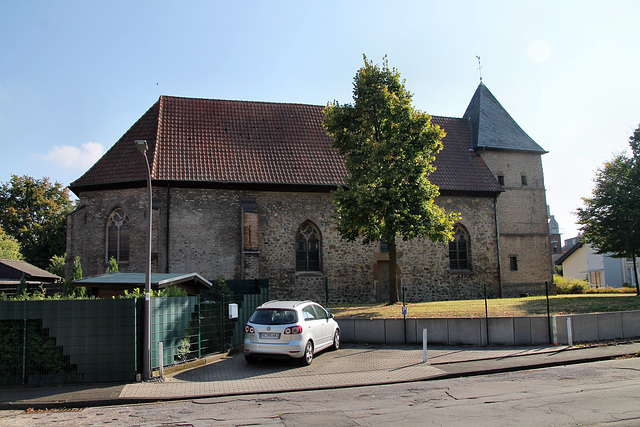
{"x":600,"y":270}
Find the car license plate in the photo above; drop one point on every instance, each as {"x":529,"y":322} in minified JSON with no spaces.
{"x":269,"y":335}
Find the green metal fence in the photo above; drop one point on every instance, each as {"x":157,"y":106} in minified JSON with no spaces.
{"x":211,"y":330}
{"x":56,"y":341}
{"x":99,"y":340}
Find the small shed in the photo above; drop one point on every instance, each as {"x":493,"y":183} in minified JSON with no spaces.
{"x":13,"y":272}
{"x":114,"y":284}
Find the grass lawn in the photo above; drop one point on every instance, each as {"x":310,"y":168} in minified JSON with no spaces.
{"x":505,"y":307}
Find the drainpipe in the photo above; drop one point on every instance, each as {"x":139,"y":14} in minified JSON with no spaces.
{"x":166,"y":268}
{"x":495,"y":216}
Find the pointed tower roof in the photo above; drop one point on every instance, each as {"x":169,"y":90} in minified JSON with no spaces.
{"x":493,"y":127}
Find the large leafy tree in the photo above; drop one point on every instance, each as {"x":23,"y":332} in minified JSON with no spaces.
{"x":388,"y":147}
{"x":610,"y":217}
{"x":9,"y":247}
{"x":34,"y":211}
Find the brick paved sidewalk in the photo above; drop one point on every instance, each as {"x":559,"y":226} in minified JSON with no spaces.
{"x":350,"y":366}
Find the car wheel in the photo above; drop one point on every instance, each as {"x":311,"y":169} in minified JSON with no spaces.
{"x":307,"y":358}
{"x":336,"y":340}
{"x":250,"y":359}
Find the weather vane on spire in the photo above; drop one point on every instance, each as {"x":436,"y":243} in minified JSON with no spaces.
{"x":479,"y":68}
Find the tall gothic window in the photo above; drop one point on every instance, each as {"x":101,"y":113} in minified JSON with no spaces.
{"x":459,"y":249}
{"x":118,"y":236}
{"x":308,"y":243}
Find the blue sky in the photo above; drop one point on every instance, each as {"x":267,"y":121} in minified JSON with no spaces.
{"x":74,"y":76}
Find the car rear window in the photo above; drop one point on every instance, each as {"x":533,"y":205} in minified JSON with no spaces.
{"x":273,"y":316}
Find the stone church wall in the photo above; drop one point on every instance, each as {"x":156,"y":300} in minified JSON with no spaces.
{"x":522,"y":222}
{"x":211,"y":232}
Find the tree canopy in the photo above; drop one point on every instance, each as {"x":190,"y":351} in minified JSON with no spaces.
{"x":34,"y":211}
{"x":388,"y":147}
{"x":9,"y":247}
{"x":610,"y":217}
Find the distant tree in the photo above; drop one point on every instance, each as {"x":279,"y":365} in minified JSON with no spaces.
{"x":76,"y":273}
{"x":56,"y":265}
{"x":34,"y":212}
{"x":610,"y":217}
{"x":9,"y":247}
{"x":388,"y":147}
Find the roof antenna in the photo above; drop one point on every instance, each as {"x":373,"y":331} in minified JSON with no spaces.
{"x":479,"y":68}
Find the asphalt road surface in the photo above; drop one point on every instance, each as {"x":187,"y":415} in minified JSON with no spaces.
{"x":600,"y":393}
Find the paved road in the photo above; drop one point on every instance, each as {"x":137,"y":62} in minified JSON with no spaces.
{"x":597,"y":393}
{"x":352,"y":366}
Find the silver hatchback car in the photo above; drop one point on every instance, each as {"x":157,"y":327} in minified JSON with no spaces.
{"x":296,"y":329}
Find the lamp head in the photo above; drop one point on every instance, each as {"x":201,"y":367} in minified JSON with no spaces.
{"x":141,"y":144}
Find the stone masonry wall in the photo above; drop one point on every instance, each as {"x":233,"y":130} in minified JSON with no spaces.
{"x":87,"y":230}
{"x":207,"y":229}
{"x":522,"y":222}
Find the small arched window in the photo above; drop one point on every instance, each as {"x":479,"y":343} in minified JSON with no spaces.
{"x":118,"y":236}
{"x":459,"y":249}
{"x":308,"y":244}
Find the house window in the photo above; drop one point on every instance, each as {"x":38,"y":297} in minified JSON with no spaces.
{"x":523,"y":179}
{"x":308,"y":243}
{"x":501,"y":179}
{"x":513,"y":263}
{"x":118,"y":236}
{"x":459,"y":249}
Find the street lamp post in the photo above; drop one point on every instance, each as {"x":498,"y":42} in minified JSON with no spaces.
{"x":142,"y":146}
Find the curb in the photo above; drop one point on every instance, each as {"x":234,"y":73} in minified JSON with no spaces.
{"x":458,"y":369}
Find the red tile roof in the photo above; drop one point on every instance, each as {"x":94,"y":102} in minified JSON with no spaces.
{"x":241,"y":142}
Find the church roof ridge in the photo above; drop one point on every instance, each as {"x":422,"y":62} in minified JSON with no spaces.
{"x":199,"y":140}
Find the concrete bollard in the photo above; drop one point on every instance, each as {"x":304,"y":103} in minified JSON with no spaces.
{"x":161,"y":357}
{"x":555,"y":330}
{"x":569,"y":332}
{"x":424,"y":345}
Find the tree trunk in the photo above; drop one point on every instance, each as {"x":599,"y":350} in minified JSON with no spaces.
{"x":393,"y":276}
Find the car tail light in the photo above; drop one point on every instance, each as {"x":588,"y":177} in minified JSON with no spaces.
{"x":249,"y":329}
{"x":293,"y":330}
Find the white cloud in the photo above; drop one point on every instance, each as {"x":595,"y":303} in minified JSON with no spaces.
{"x":77,"y":158}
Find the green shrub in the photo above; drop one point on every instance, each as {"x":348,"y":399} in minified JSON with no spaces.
{"x":184,"y":349}
{"x":169,"y":291}
{"x":623,"y":290}
{"x":113,"y":266}
{"x":570,"y":286}
{"x":172,"y":291}
{"x":575,"y":286}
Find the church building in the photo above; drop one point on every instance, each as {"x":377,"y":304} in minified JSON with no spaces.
{"x":242,"y":190}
